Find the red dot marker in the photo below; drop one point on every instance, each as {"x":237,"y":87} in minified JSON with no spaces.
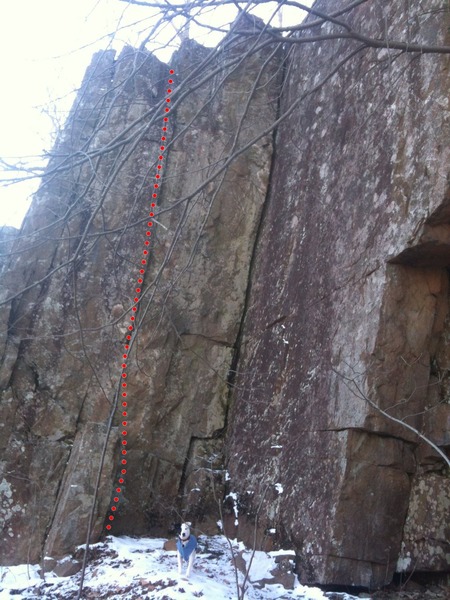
{"x":136,"y":299}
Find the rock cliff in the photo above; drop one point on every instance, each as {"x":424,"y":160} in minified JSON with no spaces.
{"x":348,"y":301}
{"x":70,"y":284}
{"x":288,"y":293}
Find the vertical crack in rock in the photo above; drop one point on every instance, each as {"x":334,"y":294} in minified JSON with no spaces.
{"x":231,"y":378}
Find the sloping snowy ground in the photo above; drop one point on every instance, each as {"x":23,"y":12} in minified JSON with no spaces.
{"x":131,"y":568}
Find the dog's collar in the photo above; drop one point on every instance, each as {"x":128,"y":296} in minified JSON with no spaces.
{"x":186,"y":540}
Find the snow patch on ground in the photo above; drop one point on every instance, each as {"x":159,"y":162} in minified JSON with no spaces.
{"x":139,"y":568}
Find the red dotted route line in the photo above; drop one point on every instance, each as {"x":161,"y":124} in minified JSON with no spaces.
{"x":138,"y":290}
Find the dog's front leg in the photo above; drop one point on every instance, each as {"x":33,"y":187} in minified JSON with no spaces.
{"x":190,"y":564}
{"x":179,"y":563}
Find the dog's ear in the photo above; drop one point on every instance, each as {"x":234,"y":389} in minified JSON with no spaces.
{"x":175,"y":528}
{"x":188,"y":523}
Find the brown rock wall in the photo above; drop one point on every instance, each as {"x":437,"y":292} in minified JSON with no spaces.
{"x":188,"y":339}
{"x":360,"y":170}
{"x":81,"y":245}
{"x":329,"y":290}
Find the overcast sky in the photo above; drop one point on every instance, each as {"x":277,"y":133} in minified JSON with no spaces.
{"x":45,"y":47}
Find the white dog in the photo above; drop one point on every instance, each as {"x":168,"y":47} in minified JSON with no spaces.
{"x":186,"y":546}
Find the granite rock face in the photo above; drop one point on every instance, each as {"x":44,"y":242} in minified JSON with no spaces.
{"x":286,"y":291}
